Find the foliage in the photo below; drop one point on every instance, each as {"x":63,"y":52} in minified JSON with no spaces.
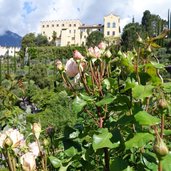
{"x":94,"y":38}
{"x":130,"y":36}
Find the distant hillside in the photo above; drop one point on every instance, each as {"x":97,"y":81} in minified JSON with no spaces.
{"x":10,"y":39}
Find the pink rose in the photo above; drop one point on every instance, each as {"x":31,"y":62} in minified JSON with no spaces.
{"x":77,"y":55}
{"x":71,"y":68}
{"x":102,"y":46}
{"x":94,"y":52}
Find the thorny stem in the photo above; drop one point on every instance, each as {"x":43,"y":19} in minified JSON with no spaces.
{"x":9,"y":161}
{"x":96,"y":121}
{"x":162,"y":126}
{"x":66,"y":81}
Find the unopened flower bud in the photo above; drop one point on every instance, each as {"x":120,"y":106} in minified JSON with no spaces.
{"x":160,"y":147}
{"x":59,"y":65}
{"x":8,"y":142}
{"x":140,"y":40}
{"x":149,"y":49}
{"x":102,"y":46}
{"x":36,"y":128}
{"x":77,"y":55}
{"x":50,"y":131}
{"x":162,"y":104}
{"x":46,"y":142}
{"x":108,"y":54}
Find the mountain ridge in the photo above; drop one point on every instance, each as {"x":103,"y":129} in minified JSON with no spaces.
{"x":10,"y":39}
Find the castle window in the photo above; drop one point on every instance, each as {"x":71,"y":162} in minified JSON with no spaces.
{"x":70,"y":25}
{"x":43,"y":26}
{"x":47,"y":26}
{"x":108,"y":25}
{"x":108,"y":33}
{"x":113,"y":33}
{"x":113,"y":24}
{"x":52,"y":25}
{"x":69,"y":31}
{"x":63,"y":25}
{"x":74,"y":25}
{"x":57,"y":25}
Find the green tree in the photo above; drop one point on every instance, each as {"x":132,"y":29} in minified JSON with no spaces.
{"x":130,"y":35}
{"x":94,"y":38}
{"x":152,"y":24}
{"x":41,"y":40}
{"x":28,"y":40}
{"x":54,"y":37}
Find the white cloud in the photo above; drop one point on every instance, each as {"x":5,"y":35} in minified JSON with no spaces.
{"x":14,"y":17}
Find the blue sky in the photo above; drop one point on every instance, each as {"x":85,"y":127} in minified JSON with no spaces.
{"x":24,"y":16}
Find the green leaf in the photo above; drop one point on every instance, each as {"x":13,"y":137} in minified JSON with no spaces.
{"x":105,"y":100}
{"x":78,"y":104}
{"x":166,"y":163}
{"x":86,"y":98}
{"x":55,"y":162}
{"x":167,"y":87}
{"x":118,"y":164}
{"x":129,"y":169}
{"x":157,"y":65}
{"x":102,"y":139}
{"x":70,"y":152}
{"x":139,"y":140}
{"x":64,"y":168}
{"x":140,"y":91}
{"x":143,"y":118}
{"x":106,"y":82}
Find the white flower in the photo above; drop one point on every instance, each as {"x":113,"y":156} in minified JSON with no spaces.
{"x":34,"y":149}
{"x":2,"y":138}
{"x":15,"y":136}
{"x":28,"y":162}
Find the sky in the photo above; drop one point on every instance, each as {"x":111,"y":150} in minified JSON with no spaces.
{"x":24,"y":16}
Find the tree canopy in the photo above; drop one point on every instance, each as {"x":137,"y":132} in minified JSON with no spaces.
{"x":94,"y":38}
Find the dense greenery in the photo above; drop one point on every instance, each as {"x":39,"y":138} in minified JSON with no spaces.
{"x":100,"y":108}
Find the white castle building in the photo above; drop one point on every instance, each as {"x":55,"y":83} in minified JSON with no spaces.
{"x":73,"y":32}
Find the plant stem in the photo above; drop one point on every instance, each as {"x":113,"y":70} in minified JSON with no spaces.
{"x":159,"y":166}
{"x":9,"y":161}
{"x":162,"y":126}
{"x":106,"y":152}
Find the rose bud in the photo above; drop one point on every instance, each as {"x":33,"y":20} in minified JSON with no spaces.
{"x":77,"y":55}
{"x":162,"y":104}
{"x":71,"y":68}
{"x":102,"y":46}
{"x":36,"y":128}
{"x":8,"y":142}
{"x":160,"y":147}
{"x":59,"y":65}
